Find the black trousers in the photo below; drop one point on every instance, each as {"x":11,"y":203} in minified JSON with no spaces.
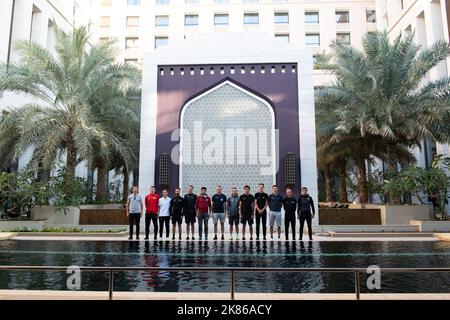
{"x":149,"y":219}
{"x":261,"y":219}
{"x":289,"y":220}
{"x":134,"y":219}
{"x":308,"y":218}
{"x":164,"y":221}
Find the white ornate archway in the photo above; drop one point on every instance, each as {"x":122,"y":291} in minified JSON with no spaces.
{"x":217,"y":140}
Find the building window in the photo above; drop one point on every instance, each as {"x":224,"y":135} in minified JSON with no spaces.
{"x":162,"y":1}
{"x":106,"y":3}
{"x":161,"y":21}
{"x":134,"y":2}
{"x":191,"y":20}
{"x":131,"y":43}
{"x":312,"y":17}
{"x":221,"y":19}
{"x":281,"y":18}
{"x":132,"y":22}
{"x":251,"y":18}
{"x":343,"y":37}
{"x":371,"y":16}
{"x":105,"y":22}
{"x":342,"y":17}
{"x":312,"y":39}
{"x":283,"y":37}
{"x":161,"y":41}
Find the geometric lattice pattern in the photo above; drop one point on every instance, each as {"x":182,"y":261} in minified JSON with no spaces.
{"x":290,"y":169}
{"x":164,"y":170}
{"x":227,"y":160}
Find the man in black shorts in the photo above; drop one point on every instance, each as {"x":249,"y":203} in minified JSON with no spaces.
{"x":190,"y":213}
{"x":176,"y":212}
{"x":290,"y":208}
{"x":246,"y":211}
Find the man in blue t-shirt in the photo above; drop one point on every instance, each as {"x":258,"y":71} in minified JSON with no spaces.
{"x":219,"y":204}
{"x":275,"y":204}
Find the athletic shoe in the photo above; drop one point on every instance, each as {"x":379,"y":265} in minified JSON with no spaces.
{"x":146,"y":238}
{"x":223,"y":237}
{"x":137,"y":238}
{"x":215,"y":237}
{"x":251,"y":238}
{"x":130,"y":238}
{"x":187,"y":238}
{"x":179,"y":238}
{"x":257,"y":238}
{"x":173,"y":237}
{"x":193,"y":238}
{"x":243,"y":238}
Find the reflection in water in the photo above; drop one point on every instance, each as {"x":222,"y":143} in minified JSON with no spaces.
{"x":262,"y":254}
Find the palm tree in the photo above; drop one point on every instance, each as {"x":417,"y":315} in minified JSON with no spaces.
{"x":381,"y":93}
{"x":62,"y":120}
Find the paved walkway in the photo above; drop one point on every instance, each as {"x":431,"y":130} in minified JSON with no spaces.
{"x":76,"y":295}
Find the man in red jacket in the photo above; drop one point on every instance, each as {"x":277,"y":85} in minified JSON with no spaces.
{"x":203,"y":206}
{"x":151,"y":205}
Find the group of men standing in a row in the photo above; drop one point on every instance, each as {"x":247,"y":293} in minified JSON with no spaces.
{"x":243,"y":209}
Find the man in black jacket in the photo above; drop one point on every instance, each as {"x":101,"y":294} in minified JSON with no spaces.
{"x":306,"y":211}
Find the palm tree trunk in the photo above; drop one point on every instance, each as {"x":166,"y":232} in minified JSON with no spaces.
{"x":393,"y":168}
{"x":343,"y":182}
{"x":126,"y":184}
{"x":100,"y":193}
{"x":71,"y":164}
{"x":328,"y":184}
{"x":363,"y":188}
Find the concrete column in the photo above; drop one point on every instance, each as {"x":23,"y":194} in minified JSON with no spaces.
{"x":5,"y":27}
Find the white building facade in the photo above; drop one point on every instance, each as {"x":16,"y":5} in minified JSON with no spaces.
{"x":36,"y":21}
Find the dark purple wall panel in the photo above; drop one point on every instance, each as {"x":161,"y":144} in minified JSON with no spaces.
{"x":280,"y":89}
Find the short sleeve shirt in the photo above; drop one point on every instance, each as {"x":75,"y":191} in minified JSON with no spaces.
{"x":189,"y":202}
{"x":177,"y":205}
{"x":164,"y":207}
{"x":246,"y":202}
{"x":135,"y":202}
{"x":261,"y":199}
{"x":218,"y":202}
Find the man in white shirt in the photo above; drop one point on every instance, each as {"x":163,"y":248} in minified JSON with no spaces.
{"x":164,"y":214}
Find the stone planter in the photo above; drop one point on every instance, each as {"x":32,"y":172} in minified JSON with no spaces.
{"x":14,"y":225}
{"x":402,"y":214}
{"x":432,"y":226}
{"x":71,"y":217}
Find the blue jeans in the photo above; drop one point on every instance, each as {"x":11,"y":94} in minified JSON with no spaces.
{"x":203,"y":218}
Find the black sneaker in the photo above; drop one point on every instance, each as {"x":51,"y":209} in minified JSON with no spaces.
{"x":215,"y":237}
{"x":193,"y":238}
{"x":257,"y":238}
{"x":223,"y":237}
{"x":137,"y":238}
{"x":251,"y":238}
{"x":187,"y":238}
{"x":264,"y":238}
{"x":287,"y":239}
{"x":146,"y":238}
{"x":130,"y":238}
{"x":179,"y":238}
{"x":243,"y":238}
{"x":173,"y":237}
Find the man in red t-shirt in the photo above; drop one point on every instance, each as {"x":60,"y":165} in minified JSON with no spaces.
{"x":151,"y":212}
{"x":203,"y":206}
